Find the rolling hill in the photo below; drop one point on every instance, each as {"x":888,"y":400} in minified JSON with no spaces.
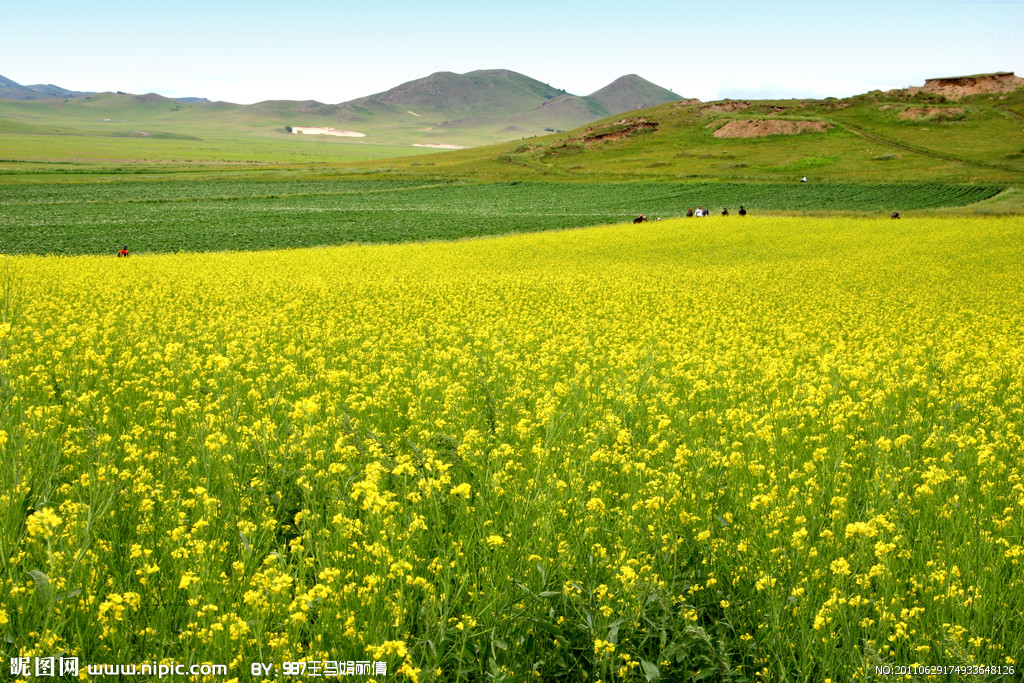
{"x":443,"y":109}
{"x":908,"y":135}
{"x":9,"y":90}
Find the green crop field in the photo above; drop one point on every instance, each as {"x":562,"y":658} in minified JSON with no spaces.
{"x":190,"y":215}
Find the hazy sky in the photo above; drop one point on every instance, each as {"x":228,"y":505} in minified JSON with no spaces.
{"x":335,"y":51}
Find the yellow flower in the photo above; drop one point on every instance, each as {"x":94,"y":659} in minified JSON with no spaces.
{"x":43,"y":522}
{"x":187,"y":579}
{"x":462,"y":489}
{"x":495,"y":541}
{"x":840,"y":567}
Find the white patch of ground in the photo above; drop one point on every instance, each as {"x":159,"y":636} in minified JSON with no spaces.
{"x":440,"y":146}
{"x":408,"y":111}
{"x":314,"y":130}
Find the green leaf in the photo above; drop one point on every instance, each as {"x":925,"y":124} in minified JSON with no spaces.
{"x":245,"y":542}
{"x":613,"y":632}
{"x":547,"y":626}
{"x":651,"y":670}
{"x":44,"y":591}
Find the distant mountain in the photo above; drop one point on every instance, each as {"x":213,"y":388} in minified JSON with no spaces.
{"x":493,"y":99}
{"x":477,"y":93}
{"x":50,"y":90}
{"x":444,"y":108}
{"x":631,"y":92}
{"x":9,"y":90}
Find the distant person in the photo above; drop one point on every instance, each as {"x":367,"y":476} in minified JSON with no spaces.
{"x":895,"y":215}
{"x":725,"y":211}
{"x":123,"y":252}
{"x":804,"y":179}
{"x":689,"y":213}
{"x":743,"y":212}
{"x":699,"y":213}
{"x":640,"y":219}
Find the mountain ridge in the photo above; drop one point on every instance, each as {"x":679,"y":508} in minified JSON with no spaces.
{"x":477,"y":107}
{"x":469,"y":88}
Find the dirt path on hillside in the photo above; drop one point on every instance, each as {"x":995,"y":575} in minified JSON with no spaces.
{"x":857,"y":130}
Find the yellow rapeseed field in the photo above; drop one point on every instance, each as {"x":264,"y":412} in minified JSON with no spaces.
{"x":746,"y":449}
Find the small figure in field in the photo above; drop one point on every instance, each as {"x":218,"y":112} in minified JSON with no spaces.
{"x":657,"y":219}
{"x":804,"y":179}
{"x":699,"y":213}
{"x":725,"y":211}
{"x":743,"y":212}
{"x":689,"y":213}
{"x":123,"y":252}
{"x":640,"y":219}
{"x":895,"y":214}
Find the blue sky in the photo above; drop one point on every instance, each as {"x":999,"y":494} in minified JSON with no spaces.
{"x":335,"y":51}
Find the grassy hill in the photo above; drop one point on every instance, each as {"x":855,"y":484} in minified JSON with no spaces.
{"x":631,"y":92}
{"x":877,"y":137}
{"x":493,"y":92}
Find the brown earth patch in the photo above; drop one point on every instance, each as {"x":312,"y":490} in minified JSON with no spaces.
{"x":962,"y":86}
{"x":762,"y":128}
{"x":915,"y":113}
{"x":727,"y":106}
{"x":616,"y":131}
{"x":685,"y":103}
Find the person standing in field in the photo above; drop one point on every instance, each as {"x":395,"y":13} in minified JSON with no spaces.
{"x":743,"y":212}
{"x":123,"y":252}
{"x":689,"y":213}
{"x":699,"y":213}
{"x":725,"y":211}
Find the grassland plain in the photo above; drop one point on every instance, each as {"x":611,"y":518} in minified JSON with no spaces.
{"x":739,"y":449}
{"x":90,"y":215}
